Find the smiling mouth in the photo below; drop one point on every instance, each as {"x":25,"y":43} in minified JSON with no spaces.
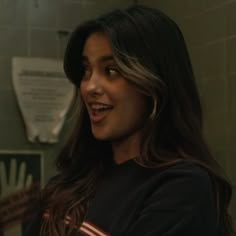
{"x":98,"y":112}
{"x":100,"y":107}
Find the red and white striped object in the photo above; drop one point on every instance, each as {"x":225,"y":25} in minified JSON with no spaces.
{"x":89,"y":229}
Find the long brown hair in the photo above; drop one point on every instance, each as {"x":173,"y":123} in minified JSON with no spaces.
{"x":150,"y":50}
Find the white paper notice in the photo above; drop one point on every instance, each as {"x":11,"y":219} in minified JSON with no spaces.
{"x":44,"y":96}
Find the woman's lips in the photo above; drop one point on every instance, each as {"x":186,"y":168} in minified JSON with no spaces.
{"x":98,"y":111}
{"x":98,"y":116}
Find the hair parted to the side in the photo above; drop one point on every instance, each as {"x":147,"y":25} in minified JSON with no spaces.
{"x":151,"y":53}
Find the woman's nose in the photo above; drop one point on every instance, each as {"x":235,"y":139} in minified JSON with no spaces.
{"x":94,"y":85}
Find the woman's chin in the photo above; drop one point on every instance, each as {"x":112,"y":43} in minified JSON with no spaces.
{"x":100,"y":136}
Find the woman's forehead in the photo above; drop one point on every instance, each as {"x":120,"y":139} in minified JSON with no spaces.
{"x":97,"y":47}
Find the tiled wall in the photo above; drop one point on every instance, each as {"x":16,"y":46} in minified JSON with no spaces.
{"x":30,"y":28}
{"x":209,"y":27}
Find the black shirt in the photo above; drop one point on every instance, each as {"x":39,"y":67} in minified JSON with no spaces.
{"x":136,"y":201}
{"x":133,"y":200}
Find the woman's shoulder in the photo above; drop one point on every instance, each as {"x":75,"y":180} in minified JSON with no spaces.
{"x":182,"y":198}
{"x":187,"y":169}
{"x":185,"y":180}
{"x":186,"y":166}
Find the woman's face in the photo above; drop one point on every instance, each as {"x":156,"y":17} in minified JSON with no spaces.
{"x":116,"y":109}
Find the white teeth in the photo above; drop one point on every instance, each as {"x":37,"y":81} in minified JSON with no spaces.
{"x":100,"y":106}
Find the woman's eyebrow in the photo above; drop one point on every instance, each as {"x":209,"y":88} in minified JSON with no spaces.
{"x":106,"y":58}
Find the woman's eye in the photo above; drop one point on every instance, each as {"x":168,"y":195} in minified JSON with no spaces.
{"x":112,"y":71}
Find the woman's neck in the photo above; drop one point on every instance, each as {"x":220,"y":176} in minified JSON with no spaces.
{"x":126,"y":148}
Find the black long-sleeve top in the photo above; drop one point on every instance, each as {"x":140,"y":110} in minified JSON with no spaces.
{"x":136,"y":201}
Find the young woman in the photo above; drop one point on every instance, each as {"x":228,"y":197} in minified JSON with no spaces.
{"x":137,"y":163}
